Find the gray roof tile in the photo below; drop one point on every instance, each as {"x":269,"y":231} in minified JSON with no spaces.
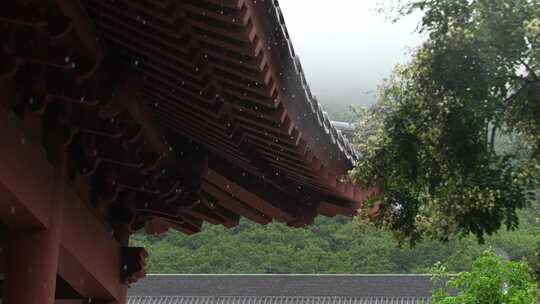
{"x":281,"y":289}
{"x":276,"y":300}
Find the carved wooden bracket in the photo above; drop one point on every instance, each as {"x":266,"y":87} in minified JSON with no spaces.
{"x":133,"y":264}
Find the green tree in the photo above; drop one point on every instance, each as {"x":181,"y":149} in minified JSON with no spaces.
{"x":330,"y":245}
{"x":490,"y":281}
{"x":429,"y":144}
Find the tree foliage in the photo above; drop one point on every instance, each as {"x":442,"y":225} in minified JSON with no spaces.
{"x":491,"y":281}
{"x":330,"y":245}
{"x":429,"y":144}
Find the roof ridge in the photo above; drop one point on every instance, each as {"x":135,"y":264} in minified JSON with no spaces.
{"x":284,"y":297}
{"x":288,"y":275}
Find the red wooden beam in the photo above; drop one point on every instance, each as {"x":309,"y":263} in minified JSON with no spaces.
{"x":236,"y":191}
{"x":32,"y":256}
{"x":89,"y":256}
{"x":226,"y":200}
{"x":25,"y":176}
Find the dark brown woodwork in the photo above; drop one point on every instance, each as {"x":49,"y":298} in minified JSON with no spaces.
{"x":32,"y":257}
{"x":133,"y":264}
{"x":160,"y":115}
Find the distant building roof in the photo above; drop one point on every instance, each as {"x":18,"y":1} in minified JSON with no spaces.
{"x":281,"y":289}
{"x":348,"y":129}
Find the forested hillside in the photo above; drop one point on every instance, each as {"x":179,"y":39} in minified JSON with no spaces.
{"x":337,"y":245}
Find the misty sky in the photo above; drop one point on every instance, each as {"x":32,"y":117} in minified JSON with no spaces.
{"x":346,"y":47}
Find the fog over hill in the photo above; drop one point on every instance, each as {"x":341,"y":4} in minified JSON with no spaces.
{"x":346,"y":47}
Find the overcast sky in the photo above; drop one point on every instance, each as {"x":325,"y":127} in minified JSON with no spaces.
{"x":346,"y":47}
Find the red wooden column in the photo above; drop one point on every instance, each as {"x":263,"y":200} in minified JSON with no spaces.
{"x":122,"y":296}
{"x":121,"y":234}
{"x":32,"y":256}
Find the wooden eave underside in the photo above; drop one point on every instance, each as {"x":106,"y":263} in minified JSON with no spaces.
{"x":224,"y":74}
{"x":209,"y":77}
